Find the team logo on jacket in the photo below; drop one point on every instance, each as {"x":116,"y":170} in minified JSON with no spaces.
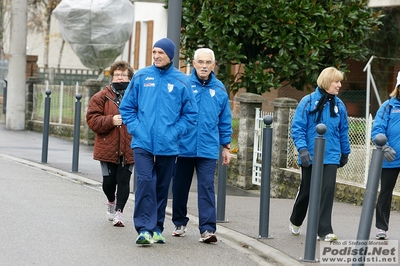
{"x":336,"y":109}
{"x":212,"y":92}
{"x":149,"y":84}
{"x":194,"y":88}
{"x":170,"y":87}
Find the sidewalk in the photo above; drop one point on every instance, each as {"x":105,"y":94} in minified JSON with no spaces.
{"x":242,"y":207}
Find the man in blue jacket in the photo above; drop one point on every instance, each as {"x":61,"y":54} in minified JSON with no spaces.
{"x":200,"y":148}
{"x":158,"y":109}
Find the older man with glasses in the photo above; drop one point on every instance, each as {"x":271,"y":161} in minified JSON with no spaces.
{"x":200,"y":148}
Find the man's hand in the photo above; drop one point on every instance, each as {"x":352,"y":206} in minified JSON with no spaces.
{"x":226,"y":156}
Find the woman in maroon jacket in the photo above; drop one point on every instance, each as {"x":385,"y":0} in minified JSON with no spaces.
{"x":112,"y":140}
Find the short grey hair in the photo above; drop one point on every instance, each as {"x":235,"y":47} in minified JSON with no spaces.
{"x":204,"y":50}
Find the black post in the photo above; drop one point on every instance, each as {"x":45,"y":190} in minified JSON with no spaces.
{"x":315,"y":194}
{"x":5,"y":97}
{"x":46,"y":122}
{"x":221,"y":194}
{"x":77,"y":130}
{"x":265,"y":178}
{"x":134,"y":180}
{"x":371,"y":191}
{"x":170,"y":194}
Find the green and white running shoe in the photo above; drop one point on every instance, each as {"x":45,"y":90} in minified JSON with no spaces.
{"x":158,"y":238}
{"x":144,"y":238}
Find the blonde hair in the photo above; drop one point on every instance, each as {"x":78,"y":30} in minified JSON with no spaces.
{"x":395,"y":92}
{"x":329,"y":75}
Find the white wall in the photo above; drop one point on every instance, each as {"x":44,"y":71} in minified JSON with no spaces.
{"x":155,"y":12}
{"x":145,"y":12}
{"x":382,"y":3}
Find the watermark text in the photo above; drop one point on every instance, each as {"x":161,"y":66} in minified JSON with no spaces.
{"x":372,"y":252}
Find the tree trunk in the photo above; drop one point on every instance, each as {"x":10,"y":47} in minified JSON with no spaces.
{"x":47,"y":39}
{"x":60,"y":55}
{"x":5,"y":11}
{"x":15,"y":116}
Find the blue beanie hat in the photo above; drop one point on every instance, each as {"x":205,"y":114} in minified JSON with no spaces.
{"x":167,"y":45}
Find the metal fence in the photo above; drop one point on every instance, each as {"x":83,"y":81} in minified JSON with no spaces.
{"x":64,"y":84}
{"x":257,"y":148}
{"x":62,"y":104}
{"x":355,"y":171}
{"x":68,"y":76}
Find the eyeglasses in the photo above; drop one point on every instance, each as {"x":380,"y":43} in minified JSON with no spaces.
{"x":201,"y":62}
{"x":120,"y":75}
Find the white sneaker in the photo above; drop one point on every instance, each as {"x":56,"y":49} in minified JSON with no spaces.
{"x":208,"y":237}
{"x":381,"y":235}
{"x":330,"y":237}
{"x":111,"y":210}
{"x":294,"y":229}
{"x":180,"y":230}
{"x":117,"y":221}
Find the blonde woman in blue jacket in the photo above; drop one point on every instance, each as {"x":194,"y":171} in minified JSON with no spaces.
{"x":158,"y":108}
{"x":321,"y":106}
{"x":387,"y":122}
{"x":200,"y":148}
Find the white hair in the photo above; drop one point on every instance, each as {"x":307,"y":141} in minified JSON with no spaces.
{"x":204,"y":50}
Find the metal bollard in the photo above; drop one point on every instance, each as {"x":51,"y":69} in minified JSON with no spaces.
{"x":5,"y":97}
{"x":77,"y":130}
{"x":170,"y":194}
{"x":46,"y":122}
{"x":371,"y":192}
{"x":134,"y":181}
{"x":315,"y":194}
{"x":265,"y":178}
{"x":221,"y":194}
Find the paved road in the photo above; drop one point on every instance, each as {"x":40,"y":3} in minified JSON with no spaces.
{"x":49,"y":220}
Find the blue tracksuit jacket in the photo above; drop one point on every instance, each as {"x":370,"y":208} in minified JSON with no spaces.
{"x":387,"y":122}
{"x":304,"y":128}
{"x":214,"y":121}
{"x":158,"y":108}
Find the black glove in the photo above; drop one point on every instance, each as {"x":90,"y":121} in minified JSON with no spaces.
{"x":305,"y":157}
{"x":388,"y":153}
{"x":343,"y":160}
